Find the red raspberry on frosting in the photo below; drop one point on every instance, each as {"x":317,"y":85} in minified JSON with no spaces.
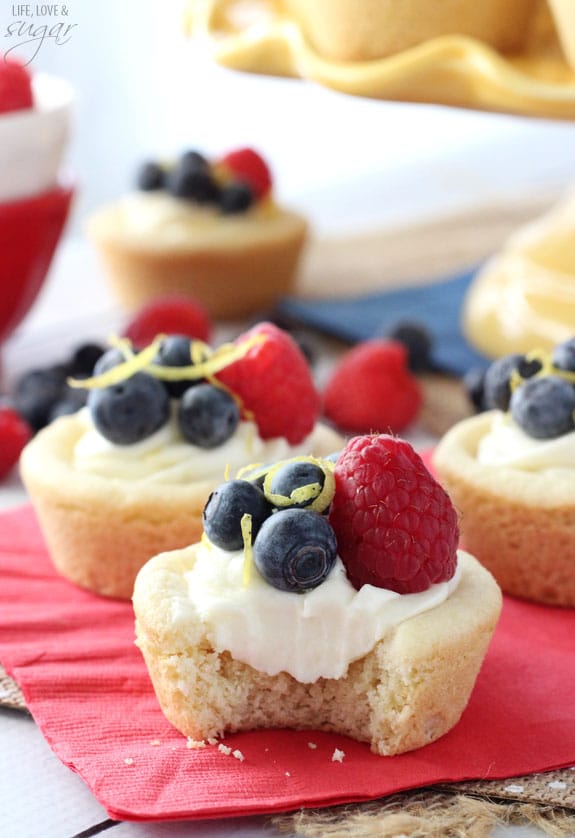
{"x":171,"y":315}
{"x":247,"y":165}
{"x":15,"y":86}
{"x":274,"y":383}
{"x":372,"y":389}
{"x":396,"y":527}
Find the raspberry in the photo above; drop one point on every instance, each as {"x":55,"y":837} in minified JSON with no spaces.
{"x":15,"y":86}
{"x":14,"y":434}
{"x":396,"y":527}
{"x":247,"y":165}
{"x":372,"y":389}
{"x":274,"y":383}
{"x":170,"y":315}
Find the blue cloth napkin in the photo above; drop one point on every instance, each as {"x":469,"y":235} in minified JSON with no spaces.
{"x":436,"y":307}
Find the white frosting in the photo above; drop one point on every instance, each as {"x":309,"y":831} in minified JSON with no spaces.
{"x":175,"y":221}
{"x":166,"y":457}
{"x":506,"y":444}
{"x":312,"y":635}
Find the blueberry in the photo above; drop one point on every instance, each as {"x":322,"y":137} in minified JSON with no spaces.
{"x":564,"y":355}
{"x":235,"y":198}
{"x":36,"y":393}
{"x":111,"y":358}
{"x":131,"y":410}
{"x":192,"y":183}
{"x":208,"y":415}
{"x":73,"y":399}
{"x":295,"y":549}
{"x":193,"y":159}
{"x":175,"y":351}
{"x":84,"y":359}
{"x":418,"y":343}
{"x":151,"y":177}
{"x":333,"y":458}
{"x":497,"y":381}
{"x":544,"y":407}
{"x":294,"y":476}
{"x":225,"y":508}
{"x":474,"y":385}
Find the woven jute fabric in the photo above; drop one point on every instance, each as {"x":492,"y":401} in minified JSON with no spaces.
{"x":427,"y":813}
{"x":10,"y":693}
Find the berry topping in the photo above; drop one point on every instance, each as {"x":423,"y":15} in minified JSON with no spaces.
{"x":37,"y":391}
{"x":192,"y":182}
{"x":418,"y":343}
{"x":501,"y":376}
{"x":180,"y":351}
{"x":300,"y":482}
{"x":15,"y":86}
{"x":130,"y":410}
{"x":169,"y":315}
{"x":274,"y":384}
{"x":237,"y":197}
{"x":474,"y":385}
{"x":544,"y":407}
{"x":84,"y":358}
{"x":226,"y":507}
{"x":14,"y":434}
{"x":207,"y":415}
{"x":295,"y":549}
{"x":296,"y":483}
{"x":151,"y":177}
{"x":396,"y":527}
{"x":246,"y":165}
{"x":563,"y":357}
{"x":372,"y":389}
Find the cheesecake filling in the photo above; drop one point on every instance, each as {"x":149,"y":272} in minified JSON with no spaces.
{"x":311,"y":635}
{"x":166,"y":457}
{"x":506,"y":444}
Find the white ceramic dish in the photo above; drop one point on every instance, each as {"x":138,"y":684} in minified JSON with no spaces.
{"x":33,"y":142}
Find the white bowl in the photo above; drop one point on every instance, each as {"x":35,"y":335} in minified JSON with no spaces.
{"x":33,"y":142}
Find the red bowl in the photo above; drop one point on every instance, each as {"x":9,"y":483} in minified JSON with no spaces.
{"x":29,"y":232}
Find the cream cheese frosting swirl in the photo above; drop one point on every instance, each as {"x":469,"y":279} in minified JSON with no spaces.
{"x":506,"y":444}
{"x":312,"y":635}
{"x":165,"y":457}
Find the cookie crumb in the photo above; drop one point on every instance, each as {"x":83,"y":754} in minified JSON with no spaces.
{"x":337,"y":755}
{"x":129,"y":761}
{"x":557,"y":785}
{"x":155,"y":742}
{"x":194,"y":744}
{"x":224,"y":749}
{"x":287,"y":773}
{"x":212,"y":740}
{"x":514,"y":789}
{"x":312,"y":745}
{"x":238,"y":755}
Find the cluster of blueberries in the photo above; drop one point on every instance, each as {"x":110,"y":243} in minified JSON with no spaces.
{"x":540,"y":395}
{"x":294,"y":547}
{"x":191,"y":178}
{"x":136,"y":407}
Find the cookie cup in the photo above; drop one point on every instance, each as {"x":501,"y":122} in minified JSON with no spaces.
{"x":409,"y":690}
{"x":101,"y":530}
{"x":363,"y":30}
{"x":237,"y":267}
{"x":520,"y":524}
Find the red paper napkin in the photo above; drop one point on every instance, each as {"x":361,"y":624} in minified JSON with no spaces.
{"x":72,"y":653}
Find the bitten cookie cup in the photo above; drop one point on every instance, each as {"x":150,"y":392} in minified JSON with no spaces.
{"x":409,"y":690}
{"x":237,"y":266}
{"x":520,"y":524}
{"x":363,"y":30}
{"x":101,"y":530}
